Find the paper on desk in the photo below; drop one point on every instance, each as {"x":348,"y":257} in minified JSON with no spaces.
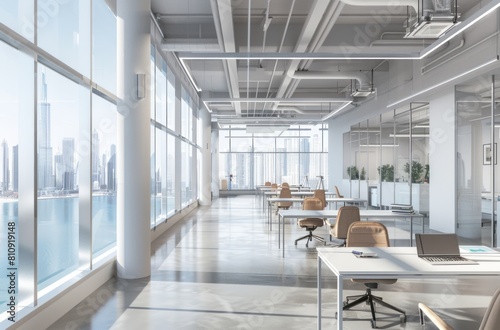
{"x":476,"y":249}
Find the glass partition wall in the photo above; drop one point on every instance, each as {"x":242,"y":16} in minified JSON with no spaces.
{"x":477,"y":180}
{"x":386,"y":159}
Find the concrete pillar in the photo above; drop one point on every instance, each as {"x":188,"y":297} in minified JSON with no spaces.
{"x":206,"y":157}
{"x":133,"y":147}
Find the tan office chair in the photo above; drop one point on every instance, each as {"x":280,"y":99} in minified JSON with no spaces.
{"x":285,"y":185}
{"x":337,"y":193}
{"x":345,"y":217}
{"x":267,"y":184}
{"x":310,"y":224}
{"x":372,"y":234}
{"x":491,"y":319}
{"x":274,"y":186}
{"x":320,"y":194}
{"x":284,"y":193}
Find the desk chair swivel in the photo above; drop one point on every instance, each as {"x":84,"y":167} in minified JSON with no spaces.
{"x":310,"y":224}
{"x":369,"y":234}
{"x":345,"y":217}
{"x":491,"y":318}
{"x":284,"y":193}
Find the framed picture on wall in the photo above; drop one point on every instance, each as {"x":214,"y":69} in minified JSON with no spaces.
{"x":487,"y":154}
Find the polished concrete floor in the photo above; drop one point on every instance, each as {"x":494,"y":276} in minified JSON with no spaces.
{"x":220,"y":268}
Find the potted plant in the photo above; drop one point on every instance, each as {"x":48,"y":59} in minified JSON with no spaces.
{"x":362,"y":175}
{"x":353,"y":173}
{"x":416,"y":171}
{"x":386,"y":172}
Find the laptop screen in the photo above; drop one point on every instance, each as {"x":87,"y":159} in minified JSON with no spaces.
{"x":437,"y":245}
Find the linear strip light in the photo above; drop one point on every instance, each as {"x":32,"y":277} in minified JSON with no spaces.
{"x":293,"y":56}
{"x":443,"y":82}
{"x":288,"y":100}
{"x":331,"y":114}
{"x":408,"y":135}
{"x":206,"y":106}
{"x":379,"y":145}
{"x":188,"y":73}
{"x":461,"y":27}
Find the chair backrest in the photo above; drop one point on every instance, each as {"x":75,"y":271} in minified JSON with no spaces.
{"x":337,"y":192}
{"x":320,"y":194}
{"x":491,"y":318}
{"x":312,"y":203}
{"x":267,"y":184}
{"x":274,"y":186}
{"x":285,"y":193}
{"x":365,"y":233}
{"x":285,"y":184}
{"x":347,"y":215}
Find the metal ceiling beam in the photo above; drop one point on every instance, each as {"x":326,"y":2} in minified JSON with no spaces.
{"x":223,"y":19}
{"x":299,"y":56}
{"x":277,"y":99}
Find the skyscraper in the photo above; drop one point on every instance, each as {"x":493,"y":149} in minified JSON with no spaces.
{"x":112,"y":169}
{"x":45,"y":163}
{"x":15,"y":168}
{"x":96,"y":168}
{"x":4,"y":166}
{"x":68,"y":163}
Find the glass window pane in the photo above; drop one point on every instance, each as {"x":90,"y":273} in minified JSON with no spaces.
{"x":64,"y":31}
{"x":186,"y":173}
{"x":171,"y":174}
{"x":155,"y":205}
{"x":103,"y":45}
{"x":171,"y":110}
{"x":104,"y":138}
{"x":185,"y":113}
{"x":59,"y":107}
{"x":18,"y":15}
{"x":161,"y":91}
{"x":15,"y":98}
{"x":260,"y":145}
{"x":161,"y":175}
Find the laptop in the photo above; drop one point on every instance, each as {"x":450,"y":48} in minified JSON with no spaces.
{"x":440,"y":249}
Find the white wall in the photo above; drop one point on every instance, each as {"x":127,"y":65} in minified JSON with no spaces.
{"x":442,"y":150}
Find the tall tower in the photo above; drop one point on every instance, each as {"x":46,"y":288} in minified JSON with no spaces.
{"x":4,"y":166}
{"x":45,"y":161}
{"x":15,"y":168}
{"x":68,"y":160}
{"x":96,"y":168}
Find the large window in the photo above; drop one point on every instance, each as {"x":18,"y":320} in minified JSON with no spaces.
{"x":60,"y":103}
{"x":16,"y":102}
{"x":104,"y":118}
{"x":18,"y":15}
{"x":64,"y":31}
{"x":249,"y":159}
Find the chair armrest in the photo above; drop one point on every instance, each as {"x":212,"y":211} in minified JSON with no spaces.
{"x":431,"y":315}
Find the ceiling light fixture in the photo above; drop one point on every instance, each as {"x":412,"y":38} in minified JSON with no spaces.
{"x":443,"y":82}
{"x":332,"y":113}
{"x":188,"y":73}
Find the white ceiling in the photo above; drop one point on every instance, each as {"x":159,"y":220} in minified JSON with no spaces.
{"x":211,"y":27}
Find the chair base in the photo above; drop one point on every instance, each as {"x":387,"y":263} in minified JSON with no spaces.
{"x":309,"y":237}
{"x":371,"y":300}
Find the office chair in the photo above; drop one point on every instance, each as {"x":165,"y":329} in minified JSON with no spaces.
{"x":345,"y":217}
{"x":284,"y":193}
{"x":372,"y":234}
{"x":285,"y":185}
{"x":320,"y":194}
{"x":274,"y":186}
{"x":337,"y":193}
{"x":310,"y":224}
{"x":491,"y":318}
{"x":267,"y":184}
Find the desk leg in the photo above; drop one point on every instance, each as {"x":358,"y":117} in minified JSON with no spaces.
{"x":270,"y":219}
{"x":283,"y":235}
{"x":411,"y":231}
{"x":319,"y":293}
{"x":279,"y":230}
{"x":340,"y":302}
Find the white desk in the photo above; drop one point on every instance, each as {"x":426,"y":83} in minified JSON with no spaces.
{"x":393,"y":262}
{"x":335,"y":200}
{"x":364,"y":214}
{"x":293,"y":193}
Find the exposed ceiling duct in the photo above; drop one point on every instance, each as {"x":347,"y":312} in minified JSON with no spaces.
{"x":430,"y":19}
{"x":365,"y":86}
{"x":190,"y":45}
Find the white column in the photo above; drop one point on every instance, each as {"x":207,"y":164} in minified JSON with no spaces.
{"x":133,"y":147}
{"x":206,"y":157}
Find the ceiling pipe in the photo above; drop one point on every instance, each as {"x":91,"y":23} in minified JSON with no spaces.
{"x":359,"y":76}
{"x":190,"y":45}
{"x":411,"y":3}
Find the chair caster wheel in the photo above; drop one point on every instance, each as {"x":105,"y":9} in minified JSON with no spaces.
{"x":374,"y":324}
{"x":402,"y":319}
